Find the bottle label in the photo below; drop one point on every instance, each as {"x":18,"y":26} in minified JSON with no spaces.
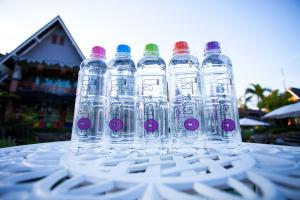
{"x":150,"y":84}
{"x":150,"y":111}
{"x":191,"y":124}
{"x":123,"y":85}
{"x":151,"y":125}
{"x":222,"y":90}
{"x":116,"y":124}
{"x":187,"y":106}
{"x":185,"y":113}
{"x":84,"y":86}
{"x":188,"y":83}
{"x":84,"y":123}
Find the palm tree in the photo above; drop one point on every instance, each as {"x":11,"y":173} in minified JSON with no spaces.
{"x":276,"y":100}
{"x":256,"y":90}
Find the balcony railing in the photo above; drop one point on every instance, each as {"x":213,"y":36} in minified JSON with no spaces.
{"x":52,"y":89}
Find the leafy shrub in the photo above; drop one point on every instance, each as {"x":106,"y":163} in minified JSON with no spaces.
{"x":279,"y":130}
{"x":7,"y":142}
{"x":246,"y":134}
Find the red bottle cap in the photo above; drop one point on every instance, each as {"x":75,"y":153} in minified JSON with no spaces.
{"x":181,"y":47}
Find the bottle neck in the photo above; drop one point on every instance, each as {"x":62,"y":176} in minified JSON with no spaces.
{"x":96,"y":57}
{"x":181,"y":52}
{"x":151,"y":54}
{"x":213,"y":51}
{"x":123,"y":55}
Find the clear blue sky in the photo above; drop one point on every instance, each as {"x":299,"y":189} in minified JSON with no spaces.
{"x":260,"y":37}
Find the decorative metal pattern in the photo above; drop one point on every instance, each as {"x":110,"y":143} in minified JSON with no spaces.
{"x":51,"y":171}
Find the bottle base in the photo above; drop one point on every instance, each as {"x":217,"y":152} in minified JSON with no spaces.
{"x":227,"y":147}
{"x":88,"y":146}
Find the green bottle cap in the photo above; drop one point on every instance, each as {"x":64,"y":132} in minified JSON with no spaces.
{"x":151,"y":49}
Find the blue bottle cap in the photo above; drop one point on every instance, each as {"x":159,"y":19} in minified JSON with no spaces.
{"x":123,"y":48}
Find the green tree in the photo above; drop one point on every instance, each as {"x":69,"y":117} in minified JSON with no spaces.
{"x":258,"y":91}
{"x":275,"y":100}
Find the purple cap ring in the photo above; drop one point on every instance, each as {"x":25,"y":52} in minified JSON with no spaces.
{"x":228,"y":125}
{"x":84,"y":123}
{"x":151,"y":125}
{"x":191,"y":124}
{"x":116,"y":124}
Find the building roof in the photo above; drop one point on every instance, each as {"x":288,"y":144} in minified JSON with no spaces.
{"x":37,"y":37}
{"x":250,"y":113}
{"x":295,"y":92}
{"x":1,"y":56}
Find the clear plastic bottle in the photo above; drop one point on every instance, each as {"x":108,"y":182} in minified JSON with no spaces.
{"x":89,"y":114}
{"x":122,"y":103}
{"x":152,"y":93}
{"x":185,"y":97}
{"x":219,"y":99}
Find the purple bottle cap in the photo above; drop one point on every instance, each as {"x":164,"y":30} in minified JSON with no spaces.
{"x":98,"y":52}
{"x":212,"y":45}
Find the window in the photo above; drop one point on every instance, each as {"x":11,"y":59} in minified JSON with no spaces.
{"x":54,"y":39}
{"x":62,"y":40}
{"x":58,"y":39}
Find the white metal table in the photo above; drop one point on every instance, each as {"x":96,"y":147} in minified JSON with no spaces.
{"x":51,"y":171}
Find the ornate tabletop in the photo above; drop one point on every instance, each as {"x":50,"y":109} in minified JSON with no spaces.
{"x":52,"y":171}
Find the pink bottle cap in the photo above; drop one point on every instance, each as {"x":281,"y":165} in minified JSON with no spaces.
{"x":98,"y":52}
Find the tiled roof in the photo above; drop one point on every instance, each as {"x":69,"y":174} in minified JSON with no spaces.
{"x":295,"y":92}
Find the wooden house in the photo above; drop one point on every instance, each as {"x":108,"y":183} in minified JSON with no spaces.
{"x":43,"y":72}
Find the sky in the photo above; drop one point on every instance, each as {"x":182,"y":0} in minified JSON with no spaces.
{"x":262,"y":38}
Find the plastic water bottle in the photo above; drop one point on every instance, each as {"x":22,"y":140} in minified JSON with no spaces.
{"x":89,"y":114}
{"x":185,"y":97}
{"x":219,"y":98}
{"x":152,"y":93}
{"x":122,"y":103}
